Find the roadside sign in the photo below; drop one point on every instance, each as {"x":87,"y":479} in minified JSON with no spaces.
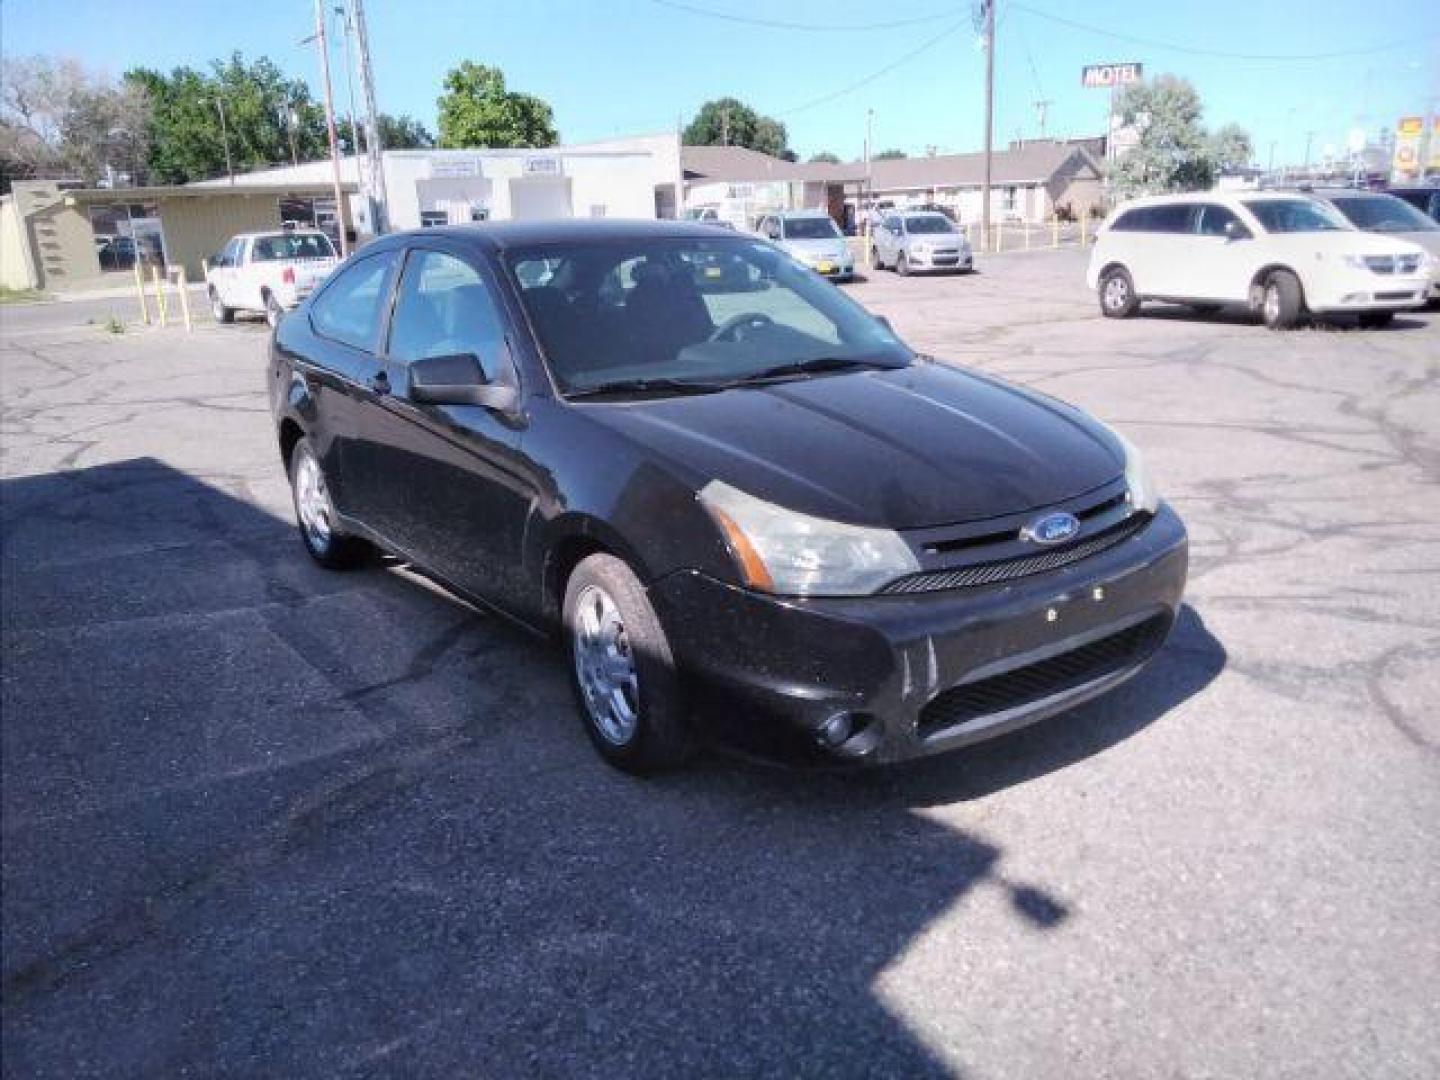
{"x":1109,"y":76}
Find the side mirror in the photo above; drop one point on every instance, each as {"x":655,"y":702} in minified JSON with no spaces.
{"x":458,"y":380}
{"x":1236,"y":230}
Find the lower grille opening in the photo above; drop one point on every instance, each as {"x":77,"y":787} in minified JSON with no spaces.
{"x":1042,"y":679}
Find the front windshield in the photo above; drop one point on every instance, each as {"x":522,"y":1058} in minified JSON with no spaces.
{"x":924,"y":224}
{"x":688,"y":311}
{"x":810,"y":228}
{"x":1383,"y":213}
{"x":1295,"y":215}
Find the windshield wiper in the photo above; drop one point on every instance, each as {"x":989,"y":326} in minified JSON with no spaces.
{"x":647,"y":386}
{"x":815,"y":365}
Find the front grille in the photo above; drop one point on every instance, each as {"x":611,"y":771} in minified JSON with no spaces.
{"x":1393,"y":264}
{"x":1395,"y":296}
{"x":1042,"y":679}
{"x":966,"y":577}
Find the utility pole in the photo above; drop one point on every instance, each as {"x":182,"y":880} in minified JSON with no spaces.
{"x":225,"y":137}
{"x":989,"y":9}
{"x":350,"y":82}
{"x":290,"y":119}
{"x":1041,"y":108}
{"x":342,"y":217}
{"x":373,"y":146}
{"x":1309,"y":135}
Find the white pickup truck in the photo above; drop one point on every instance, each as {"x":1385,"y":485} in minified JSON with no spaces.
{"x":268,"y":272}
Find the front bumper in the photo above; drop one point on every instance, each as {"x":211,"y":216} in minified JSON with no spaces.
{"x":948,"y":260}
{"x":1359,"y":292}
{"x":772,"y":672}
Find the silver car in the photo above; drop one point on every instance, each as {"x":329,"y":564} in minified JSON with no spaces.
{"x":920,"y":241}
{"x":1374,"y":211}
{"x":812,"y":238}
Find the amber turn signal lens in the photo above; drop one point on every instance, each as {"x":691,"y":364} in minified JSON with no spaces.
{"x":752,"y":567}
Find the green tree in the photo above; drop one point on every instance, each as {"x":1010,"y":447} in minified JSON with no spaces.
{"x":477,"y":111}
{"x":825,"y":157}
{"x":730,"y":122}
{"x":889,"y":155}
{"x":1231,"y":148}
{"x":403,"y":133}
{"x":262,"y":111}
{"x":1173,"y":151}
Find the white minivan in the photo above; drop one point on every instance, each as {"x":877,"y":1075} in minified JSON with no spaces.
{"x":1282,"y":254}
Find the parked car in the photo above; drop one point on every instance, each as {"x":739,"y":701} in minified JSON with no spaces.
{"x":756,"y":514}
{"x":1378,"y":212}
{"x":812,"y":238}
{"x":268,"y":272}
{"x":1282,"y":254}
{"x":906,"y":242}
{"x":1425,"y":199}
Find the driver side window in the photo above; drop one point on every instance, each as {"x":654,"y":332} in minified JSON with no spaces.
{"x":444,"y":308}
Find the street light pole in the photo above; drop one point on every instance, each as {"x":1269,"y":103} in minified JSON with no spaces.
{"x":989,"y":120}
{"x":374,"y":144}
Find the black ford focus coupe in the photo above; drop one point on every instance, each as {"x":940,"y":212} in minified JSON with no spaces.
{"x":746,"y":505}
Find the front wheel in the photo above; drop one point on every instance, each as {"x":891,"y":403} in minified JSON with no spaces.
{"x":1117,"y":294}
{"x":622,"y":670}
{"x":315,"y":513}
{"x":1282,"y":303}
{"x":221,"y":313}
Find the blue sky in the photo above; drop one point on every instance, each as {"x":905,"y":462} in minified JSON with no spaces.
{"x":614,"y":67}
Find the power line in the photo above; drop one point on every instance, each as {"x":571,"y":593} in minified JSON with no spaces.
{"x":779,"y":24}
{"x":1173,"y":47}
{"x":868,"y":79}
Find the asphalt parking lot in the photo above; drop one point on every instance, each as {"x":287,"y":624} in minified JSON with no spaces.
{"x":261,"y":820}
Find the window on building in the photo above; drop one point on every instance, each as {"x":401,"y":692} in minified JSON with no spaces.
{"x":1008,"y":199}
{"x":434,"y":219}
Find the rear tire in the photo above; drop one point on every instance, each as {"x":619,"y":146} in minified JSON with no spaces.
{"x":1376,"y":320}
{"x":875,"y":259}
{"x":622,"y":671}
{"x":221,"y":313}
{"x":1282,"y":303}
{"x":315,"y":513}
{"x":902,"y":265}
{"x":1117,"y":294}
{"x":273,"y":311}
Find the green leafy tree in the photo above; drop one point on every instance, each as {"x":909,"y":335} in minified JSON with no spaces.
{"x":477,"y":110}
{"x":889,"y":155}
{"x":1231,"y":148}
{"x":1173,"y":151}
{"x":730,"y":122}
{"x":263,"y":111}
{"x":403,"y":133}
{"x":825,"y":157}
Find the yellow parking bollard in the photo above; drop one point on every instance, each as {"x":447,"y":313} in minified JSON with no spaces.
{"x":1026,"y":227}
{"x":1082,"y":232}
{"x":184,"y":299}
{"x":140,"y":291}
{"x":159,"y":294}
{"x":999,"y":237}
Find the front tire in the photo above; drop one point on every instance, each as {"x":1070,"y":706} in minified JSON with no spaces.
{"x":1282,"y":303}
{"x":315,"y":513}
{"x":622,"y":670}
{"x":1117,"y":294}
{"x":219,"y":311}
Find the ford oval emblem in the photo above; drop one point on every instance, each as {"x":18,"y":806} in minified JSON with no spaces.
{"x":1051,"y":529}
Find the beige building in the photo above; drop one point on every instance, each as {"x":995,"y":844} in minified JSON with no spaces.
{"x":60,"y":239}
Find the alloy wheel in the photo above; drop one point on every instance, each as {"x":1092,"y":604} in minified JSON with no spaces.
{"x":312,"y":502}
{"x":605,"y":666}
{"x":1116,"y":292}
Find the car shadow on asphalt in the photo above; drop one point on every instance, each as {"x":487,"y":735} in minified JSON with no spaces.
{"x":1238,"y":316}
{"x":264,"y":820}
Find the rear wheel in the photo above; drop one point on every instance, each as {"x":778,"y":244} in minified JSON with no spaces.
{"x":1282,"y":303}
{"x":902,"y":264}
{"x":315,"y":513}
{"x":875,"y":259}
{"x":273,"y":311}
{"x":1375,"y":320}
{"x":1117,"y":294}
{"x":622,"y":670}
{"x":221,"y":313}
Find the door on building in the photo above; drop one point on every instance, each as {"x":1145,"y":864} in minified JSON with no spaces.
{"x":540,"y":197}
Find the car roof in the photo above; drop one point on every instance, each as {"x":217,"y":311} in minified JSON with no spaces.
{"x":309,"y":230}
{"x":801,"y":214}
{"x":503,"y":235}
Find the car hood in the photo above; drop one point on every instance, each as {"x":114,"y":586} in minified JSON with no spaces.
{"x":950,"y":239}
{"x":816,"y":249}
{"x":1346,"y":242}
{"x":903,"y":448}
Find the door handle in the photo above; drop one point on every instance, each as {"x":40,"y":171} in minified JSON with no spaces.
{"x":379,"y":382}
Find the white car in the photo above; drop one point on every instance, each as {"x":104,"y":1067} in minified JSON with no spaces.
{"x":811,"y":238}
{"x":1281,"y":254}
{"x":268,"y":272}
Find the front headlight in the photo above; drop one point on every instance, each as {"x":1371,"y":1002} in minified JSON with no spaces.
{"x":1355,"y":262}
{"x":1140,"y":486}
{"x":793,"y":554}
